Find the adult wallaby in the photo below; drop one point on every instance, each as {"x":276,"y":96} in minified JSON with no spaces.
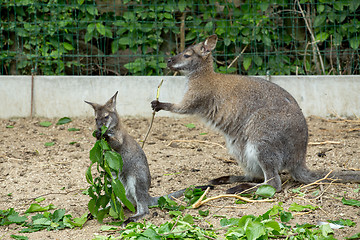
{"x":135,"y":174}
{"x":263,"y":125}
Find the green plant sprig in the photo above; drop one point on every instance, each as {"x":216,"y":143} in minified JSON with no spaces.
{"x":106,"y":190}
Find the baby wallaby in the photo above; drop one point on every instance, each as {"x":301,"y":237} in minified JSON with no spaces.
{"x":263,"y":125}
{"x":135,"y":174}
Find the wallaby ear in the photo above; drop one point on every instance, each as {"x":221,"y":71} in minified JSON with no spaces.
{"x":209,"y":44}
{"x":94,"y":105}
{"x":112,"y":102}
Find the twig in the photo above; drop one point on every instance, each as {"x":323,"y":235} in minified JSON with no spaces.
{"x":323,"y":143}
{"x":238,"y":56}
{"x":237,"y":207}
{"x":312,"y":37}
{"x":200,"y":202}
{"x":153,"y":114}
{"x":198,"y":141}
{"x":62,"y":193}
{"x":319,"y":180}
{"x":182,"y":32}
{"x":245,"y":199}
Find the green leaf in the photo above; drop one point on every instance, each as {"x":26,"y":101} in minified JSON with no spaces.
{"x":9,"y":126}
{"x":355,"y":236}
{"x":188,"y":218}
{"x":39,"y":199}
{"x":351,"y":202}
{"x":114,"y":160}
{"x":209,"y":27}
{"x":101,"y":28}
{"x":63,"y":120}
{"x":255,"y":230}
{"x":190,"y":125}
{"x":319,"y":20}
{"x":354,"y":5}
{"x":92,"y":10}
{"x":114,"y":46}
{"x":119,"y":191}
{"x":42,"y":221}
{"x":294,"y":207}
{"x":285,"y":216}
{"x":68,"y":46}
{"x":247,"y":62}
{"x":264,"y":6}
{"x":49,"y":144}
{"x":266,"y":191}
{"x":18,"y":237}
{"x":58,"y":215}
{"x":343,"y":222}
{"x":108,"y":228}
{"x":15,"y":218}
{"x":45,"y":124}
{"x":96,"y":153}
{"x":204,"y":213}
{"x":354,"y":42}
{"x":326,"y":230}
{"x":90,"y":28}
{"x":73,"y":129}
{"x":182,"y":5}
{"x":88,"y":175}
{"x":322,"y":36}
{"x":79,"y":222}
{"x":37,"y":208}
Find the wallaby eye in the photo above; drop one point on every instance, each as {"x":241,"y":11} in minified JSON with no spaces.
{"x":187,"y":55}
{"x":106,"y":117}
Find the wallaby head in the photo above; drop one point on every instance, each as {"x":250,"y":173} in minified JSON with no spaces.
{"x":194,"y":58}
{"x":106,"y":115}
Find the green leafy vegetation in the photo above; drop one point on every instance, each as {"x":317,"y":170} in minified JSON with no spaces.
{"x":49,"y":144}
{"x":351,"y":202}
{"x":56,"y":220}
{"x":106,"y":188}
{"x":272,"y":224}
{"x":190,"y":125}
{"x":89,"y":37}
{"x":73,"y":129}
{"x":45,"y":124}
{"x":63,"y":120}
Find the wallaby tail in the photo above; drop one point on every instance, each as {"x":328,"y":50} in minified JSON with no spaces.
{"x":154,"y":200}
{"x":306,"y":176}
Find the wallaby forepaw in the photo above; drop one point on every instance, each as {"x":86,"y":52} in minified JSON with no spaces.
{"x":156,"y":105}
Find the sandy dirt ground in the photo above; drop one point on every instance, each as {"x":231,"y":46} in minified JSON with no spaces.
{"x":29,"y":169}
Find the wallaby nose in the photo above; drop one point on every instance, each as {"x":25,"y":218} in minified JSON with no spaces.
{"x":169,"y":62}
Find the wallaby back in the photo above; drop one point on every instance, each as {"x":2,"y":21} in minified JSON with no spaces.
{"x":263,"y":125}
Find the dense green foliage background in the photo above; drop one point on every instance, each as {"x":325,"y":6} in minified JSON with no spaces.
{"x":130,"y":37}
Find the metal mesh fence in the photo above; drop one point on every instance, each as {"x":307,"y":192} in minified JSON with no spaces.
{"x":132,"y":37}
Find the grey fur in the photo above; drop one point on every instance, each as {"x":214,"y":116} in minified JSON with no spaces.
{"x":263,"y":125}
{"x":135,"y":175}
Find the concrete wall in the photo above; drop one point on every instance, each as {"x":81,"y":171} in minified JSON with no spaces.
{"x":60,"y":96}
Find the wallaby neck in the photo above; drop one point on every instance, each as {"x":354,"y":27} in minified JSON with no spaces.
{"x":206,"y":69}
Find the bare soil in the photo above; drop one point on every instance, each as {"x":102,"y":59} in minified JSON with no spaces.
{"x":178,"y":157}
